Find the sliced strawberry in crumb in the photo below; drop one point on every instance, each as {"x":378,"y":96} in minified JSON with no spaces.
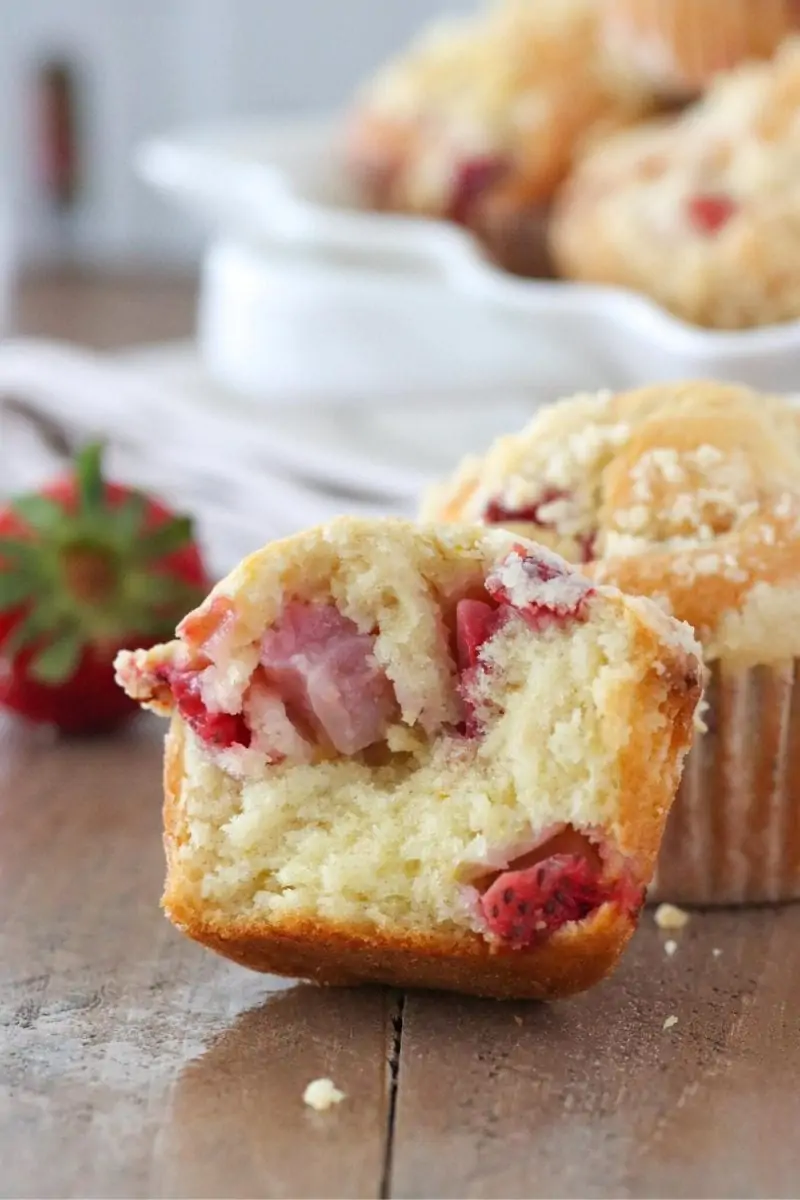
{"x":524,"y":907}
{"x":709,"y":213}
{"x":218,"y":729}
{"x":540,"y":587}
{"x":587,"y":543}
{"x":498,"y":513}
{"x":475,"y":624}
{"x":326,"y":672}
{"x":208,"y":622}
{"x":472,"y":177}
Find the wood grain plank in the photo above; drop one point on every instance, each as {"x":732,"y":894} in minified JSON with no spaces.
{"x":104,"y":309}
{"x":593,"y":1097}
{"x":137,"y":1064}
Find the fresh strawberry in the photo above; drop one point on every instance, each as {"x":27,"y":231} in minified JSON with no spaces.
{"x":87,"y":568}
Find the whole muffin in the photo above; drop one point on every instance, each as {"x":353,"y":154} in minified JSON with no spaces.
{"x":678,"y":46}
{"x":700,"y":212}
{"x":480,"y":119}
{"x":689,"y":494}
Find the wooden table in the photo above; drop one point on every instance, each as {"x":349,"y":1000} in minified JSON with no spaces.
{"x":133,"y":1063}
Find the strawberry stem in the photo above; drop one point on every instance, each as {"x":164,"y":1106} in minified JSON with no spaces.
{"x":89,"y":476}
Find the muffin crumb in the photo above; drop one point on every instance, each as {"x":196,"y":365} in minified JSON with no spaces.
{"x":670,"y":947}
{"x":321,"y":1094}
{"x":670,"y":1022}
{"x":669,"y":916}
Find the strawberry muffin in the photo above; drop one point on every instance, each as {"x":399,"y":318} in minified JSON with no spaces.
{"x":701,"y":212}
{"x":689,"y":494}
{"x":678,"y":46}
{"x":433,"y":757}
{"x":479,"y":121}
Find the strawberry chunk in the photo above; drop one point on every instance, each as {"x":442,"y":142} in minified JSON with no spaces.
{"x":475,"y":624}
{"x":326,"y":672}
{"x":472,"y":177}
{"x":524,"y":907}
{"x":218,"y":729}
{"x":709,"y":213}
{"x":540,"y":587}
{"x":208,"y":623}
{"x":497,"y":513}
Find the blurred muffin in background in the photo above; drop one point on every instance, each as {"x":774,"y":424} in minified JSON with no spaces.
{"x":480,"y":119}
{"x":678,"y":46}
{"x":700,"y":212}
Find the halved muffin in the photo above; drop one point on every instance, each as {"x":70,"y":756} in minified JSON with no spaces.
{"x":434,"y":757}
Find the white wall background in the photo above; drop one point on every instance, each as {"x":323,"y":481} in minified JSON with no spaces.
{"x":153,"y":64}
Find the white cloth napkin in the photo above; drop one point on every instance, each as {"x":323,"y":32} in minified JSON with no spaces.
{"x":212,"y":464}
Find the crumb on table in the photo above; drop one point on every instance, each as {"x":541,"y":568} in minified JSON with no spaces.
{"x":668,"y":916}
{"x":670,"y":1021}
{"x":670,"y":947}
{"x":321,"y":1094}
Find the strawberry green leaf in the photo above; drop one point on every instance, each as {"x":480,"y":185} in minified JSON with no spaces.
{"x":89,"y":477}
{"x":128,"y":518}
{"x":14,"y":550}
{"x":29,"y":630}
{"x":39,"y":512}
{"x":14,"y":588}
{"x":56,"y":662}
{"x":166,"y":539}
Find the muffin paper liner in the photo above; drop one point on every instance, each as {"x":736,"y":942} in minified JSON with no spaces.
{"x":733,"y":835}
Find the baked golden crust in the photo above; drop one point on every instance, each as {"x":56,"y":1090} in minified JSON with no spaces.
{"x":690,"y":493}
{"x":699,"y":212}
{"x":679,"y":45}
{"x":572,"y":960}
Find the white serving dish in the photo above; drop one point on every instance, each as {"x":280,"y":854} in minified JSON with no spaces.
{"x":305,"y":296}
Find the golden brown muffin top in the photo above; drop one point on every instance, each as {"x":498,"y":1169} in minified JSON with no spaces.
{"x":687,"y":492}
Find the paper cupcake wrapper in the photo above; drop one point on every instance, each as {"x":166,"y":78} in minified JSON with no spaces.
{"x":733,"y":835}
{"x":680,"y":44}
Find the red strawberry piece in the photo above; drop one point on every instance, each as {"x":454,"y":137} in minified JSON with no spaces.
{"x":540,"y":587}
{"x":476,"y":622}
{"x":87,"y":568}
{"x":498,"y":513}
{"x":326,"y":672}
{"x":207,"y":623}
{"x":709,"y":213}
{"x":524,"y":907}
{"x":218,"y":729}
{"x":472,"y":178}
{"x":587,"y":544}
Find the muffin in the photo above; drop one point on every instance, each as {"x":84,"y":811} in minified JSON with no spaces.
{"x":678,"y":46}
{"x":689,"y":494}
{"x":479,"y":121}
{"x":433,"y":757}
{"x":700,"y":212}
